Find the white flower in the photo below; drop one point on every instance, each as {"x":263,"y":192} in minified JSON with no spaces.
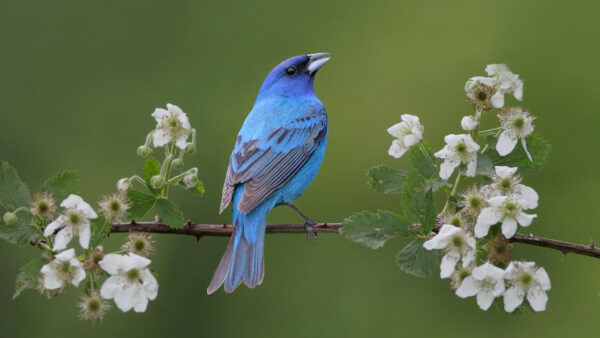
{"x":506,"y":183}
{"x":505,"y":82}
{"x":130,"y":284}
{"x":459,"y":149}
{"x":469,"y":122}
{"x":517,"y":125}
{"x":74,"y":221}
{"x":409,"y":132}
{"x":173,"y":126}
{"x":505,"y":209}
{"x":486,"y":281}
{"x":123,"y":185}
{"x":63,"y":269}
{"x":457,"y":244}
{"x":525,"y":278}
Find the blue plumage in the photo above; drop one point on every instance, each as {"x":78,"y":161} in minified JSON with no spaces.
{"x":278,"y":152}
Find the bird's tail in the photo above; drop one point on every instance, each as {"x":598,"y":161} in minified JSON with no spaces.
{"x":243,"y":260}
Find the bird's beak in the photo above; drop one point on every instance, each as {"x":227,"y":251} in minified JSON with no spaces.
{"x":316,"y":61}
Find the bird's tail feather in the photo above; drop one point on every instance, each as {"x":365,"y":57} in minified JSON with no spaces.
{"x":243,"y":259}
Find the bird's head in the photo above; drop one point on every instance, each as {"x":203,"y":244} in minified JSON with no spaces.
{"x":294,"y":76}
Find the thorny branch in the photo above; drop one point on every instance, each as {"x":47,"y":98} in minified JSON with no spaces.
{"x":200,"y":230}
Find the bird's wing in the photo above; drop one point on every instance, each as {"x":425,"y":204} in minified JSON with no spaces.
{"x":266,"y":163}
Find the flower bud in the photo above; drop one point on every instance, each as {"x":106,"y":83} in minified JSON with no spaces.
{"x":469,"y":123}
{"x":157,"y":181}
{"x":190,"y":148}
{"x":177,"y":163}
{"x":144,"y":151}
{"x":190,"y":180}
{"x":123,"y":185}
{"x":10,"y":218}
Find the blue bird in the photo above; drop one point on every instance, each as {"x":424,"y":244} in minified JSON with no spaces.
{"x":278,"y":152}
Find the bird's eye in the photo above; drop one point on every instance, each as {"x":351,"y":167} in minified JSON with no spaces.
{"x":290,"y":71}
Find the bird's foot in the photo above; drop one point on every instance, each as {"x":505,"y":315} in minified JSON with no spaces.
{"x":310,"y":233}
{"x":308,"y":223}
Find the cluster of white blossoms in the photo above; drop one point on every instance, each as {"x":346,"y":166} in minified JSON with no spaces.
{"x":130,"y":283}
{"x":476,"y":253}
{"x":501,"y":201}
{"x":172,"y":132}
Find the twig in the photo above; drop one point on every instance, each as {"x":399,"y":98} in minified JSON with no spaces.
{"x":200,"y":230}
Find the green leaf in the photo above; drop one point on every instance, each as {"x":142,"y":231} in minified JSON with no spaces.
{"x":151,"y":168}
{"x":100,"y":229}
{"x":28,"y":277}
{"x":484,"y":166}
{"x":417,"y":202}
{"x":374,"y":229}
{"x":19,"y":233}
{"x":416,"y":260}
{"x":419,"y":161}
{"x":538,"y":147}
{"x":386,"y":179}
{"x":169,"y":213}
{"x":141,"y":203}
{"x":13,"y":191}
{"x":63,"y":184}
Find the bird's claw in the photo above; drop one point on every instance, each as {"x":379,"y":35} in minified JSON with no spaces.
{"x":310,"y":234}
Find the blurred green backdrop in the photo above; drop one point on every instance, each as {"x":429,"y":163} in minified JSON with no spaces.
{"x":79,"y":80}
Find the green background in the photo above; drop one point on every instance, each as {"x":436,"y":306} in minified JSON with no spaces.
{"x":79,"y":79}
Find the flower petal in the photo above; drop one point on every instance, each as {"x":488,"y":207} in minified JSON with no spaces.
{"x":62,"y":239}
{"x":498,"y":99}
{"x":487,"y":218}
{"x":513,"y":297}
{"x":55,"y":225}
{"x":160,"y":138}
{"x":472,"y":166}
{"x":159,"y":114}
{"x":504,"y":172}
{"x":110,"y":287}
{"x":525,"y":219}
{"x":111,"y":263}
{"x":537,"y":298}
{"x":542,"y":278}
{"x":509,"y":227}
{"x":396,"y":129}
{"x":411,"y":140}
{"x":150,"y":285}
{"x":396,"y":149}
{"x":447,"y":168}
{"x":468,"y":288}
{"x":84,"y":235}
{"x":448,"y":264}
{"x":51,"y":279}
{"x":440,"y":241}
{"x":505,"y":144}
{"x":181,"y":142}
{"x":529,"y":196}
{"x":485,"y":299}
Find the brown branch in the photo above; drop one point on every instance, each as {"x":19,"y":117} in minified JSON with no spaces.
{"x":200,"y":230}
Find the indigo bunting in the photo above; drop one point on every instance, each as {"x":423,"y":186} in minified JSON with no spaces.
{"x":278,"y":152}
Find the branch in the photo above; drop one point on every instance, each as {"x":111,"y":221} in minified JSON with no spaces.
{"x":200,"y":230}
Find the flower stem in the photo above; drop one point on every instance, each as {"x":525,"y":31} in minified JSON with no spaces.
{"x":459,"y":179}
{"x":429,"y":159}
{"x":169,"y":160}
